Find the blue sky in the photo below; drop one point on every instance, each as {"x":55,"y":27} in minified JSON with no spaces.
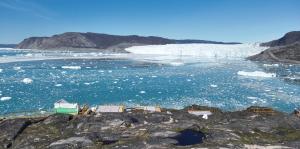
{"x":219,"y":20}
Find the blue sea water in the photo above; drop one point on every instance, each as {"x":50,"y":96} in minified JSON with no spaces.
{"x":132,"y":82}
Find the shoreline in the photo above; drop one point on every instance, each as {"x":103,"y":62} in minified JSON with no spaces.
{"x":39,"y":113}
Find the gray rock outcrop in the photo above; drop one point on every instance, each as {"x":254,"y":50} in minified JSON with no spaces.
{"x":137,"y":130}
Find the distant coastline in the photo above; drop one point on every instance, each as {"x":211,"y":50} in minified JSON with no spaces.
{"x":101,"y":42}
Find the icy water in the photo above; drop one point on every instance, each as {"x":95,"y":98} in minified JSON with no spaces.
{"x":35,"y":85}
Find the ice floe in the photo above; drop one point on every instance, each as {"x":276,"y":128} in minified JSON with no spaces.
{"x":252,"y":98}
{"x":5,"y":98}
{"x":27,"y":80}
{"x":256,"y":74}
{"x":71,"y":67}
{"x":1,"y":70}
{"x":58,"y":85}
{"x":213,"y":85}
{"x":176,"y":63}
{"x":271,"y":65}
{"x":142,"y":92}
{"x":17,"y":68}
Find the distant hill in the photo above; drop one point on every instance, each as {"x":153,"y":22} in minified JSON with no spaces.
{"x":8,"y":45}
{"x":97,"y":41}
{"x":285,"y":49}
{"x":288,"y":38}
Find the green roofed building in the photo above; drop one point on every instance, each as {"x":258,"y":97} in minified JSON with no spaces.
{"x":62,"y":106}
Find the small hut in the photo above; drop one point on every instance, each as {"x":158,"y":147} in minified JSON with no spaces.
{"x":62,"y":106}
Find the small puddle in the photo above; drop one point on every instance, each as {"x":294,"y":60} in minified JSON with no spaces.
{"x":108,"y":142}
{"x":189,"y":137}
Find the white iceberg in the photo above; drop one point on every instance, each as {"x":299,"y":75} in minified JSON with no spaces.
{"x":256,"y":74}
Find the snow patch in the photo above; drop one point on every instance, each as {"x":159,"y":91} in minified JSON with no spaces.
{"x":256,"y":74}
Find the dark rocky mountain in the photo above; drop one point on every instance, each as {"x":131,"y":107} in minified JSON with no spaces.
{"x":284,"y":50}
{"x":285,"y":54}
{"x":288,"y":38}
{"x":97,"y":41}
{"x":8,"y":45}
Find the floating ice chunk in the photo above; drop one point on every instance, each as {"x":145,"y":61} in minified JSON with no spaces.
{"x":154,"y":76}
{"x":213,"y":85}
{"x":189,"y":80}
{"x":252,"y":98}
{"x":256,"y":74}
{"x":58,"y":85}
{"x":17,"y":68}
{"x":271,"y":65}
{"x":86,"y":83}
{"x":28,"y":55}
{"x":5,"y":98}
{"x":176,"y":63}
{"x":71,"y":67}
{"x":27,"y":81}
{"x":1,"y":70}
{"x":142,"y":92}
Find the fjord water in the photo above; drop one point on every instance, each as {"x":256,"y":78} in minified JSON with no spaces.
{"x":34,"y":85}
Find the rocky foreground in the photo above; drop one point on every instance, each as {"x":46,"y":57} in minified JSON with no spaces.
{"x":168,"y":129}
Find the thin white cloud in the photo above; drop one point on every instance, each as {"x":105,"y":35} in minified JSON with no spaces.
{"x":26,"y":6}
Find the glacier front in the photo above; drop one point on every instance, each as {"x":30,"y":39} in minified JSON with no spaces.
{"x":200,"y":50}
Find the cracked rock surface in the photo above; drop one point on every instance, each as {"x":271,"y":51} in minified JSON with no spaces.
{"x":239,"y":129}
